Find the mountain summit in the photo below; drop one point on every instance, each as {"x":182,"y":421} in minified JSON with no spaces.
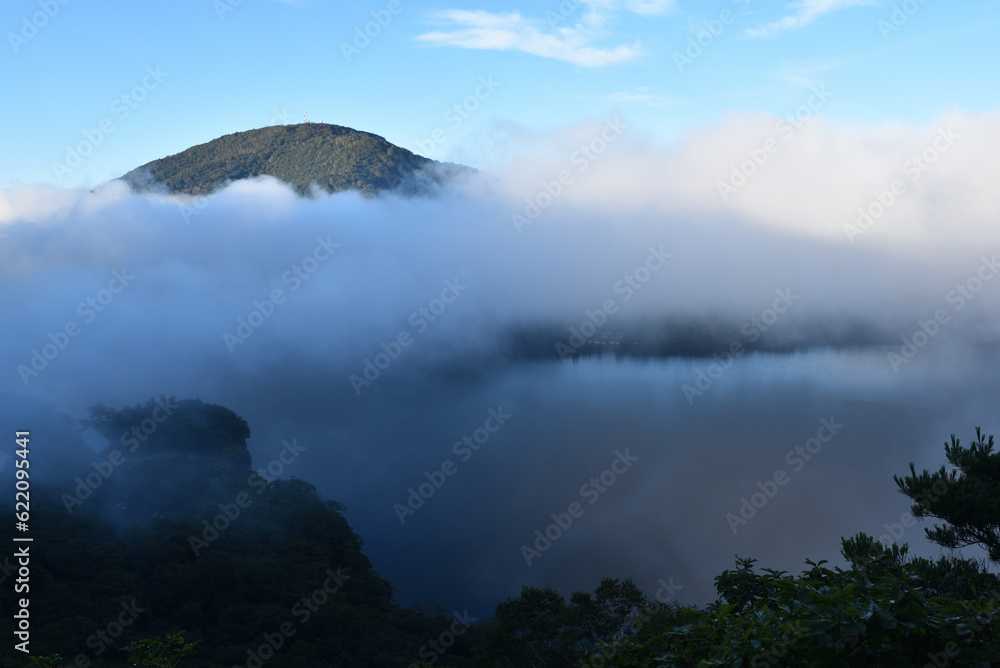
{"x":333,"y":157}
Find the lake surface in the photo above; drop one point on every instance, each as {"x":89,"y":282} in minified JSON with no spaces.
{"x":832,"y":426}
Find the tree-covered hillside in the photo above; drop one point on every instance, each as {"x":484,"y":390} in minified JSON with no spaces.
{"x":333,"y":157}
{"x":180,"y":534}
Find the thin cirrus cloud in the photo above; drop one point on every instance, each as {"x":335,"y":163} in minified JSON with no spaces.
{"x":806,"y":12}
{"x":577,"y":43}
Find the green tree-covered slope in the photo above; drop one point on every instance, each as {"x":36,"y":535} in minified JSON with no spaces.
{"x":331,"y":156}
{"x":180,"y":534}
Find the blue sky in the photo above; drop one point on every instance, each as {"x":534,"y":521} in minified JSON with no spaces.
{"x":228,"y":65}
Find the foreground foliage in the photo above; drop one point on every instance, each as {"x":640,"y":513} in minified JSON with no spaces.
{"x":886,"y":609}
{"x":879,"y":614}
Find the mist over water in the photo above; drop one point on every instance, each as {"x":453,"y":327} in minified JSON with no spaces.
{"x":269,"y":304}
{"x":664,"y":517}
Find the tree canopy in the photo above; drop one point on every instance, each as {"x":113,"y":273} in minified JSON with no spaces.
{"x":966,"y":498}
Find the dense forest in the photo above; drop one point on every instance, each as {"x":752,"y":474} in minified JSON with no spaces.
{"x":180,"y":554}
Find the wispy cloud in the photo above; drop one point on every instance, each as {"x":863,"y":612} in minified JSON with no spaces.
{"x":806,"y":11}
{"x":646,"y":7}
{"x":578,"y":41}
{"x":641,"y":95}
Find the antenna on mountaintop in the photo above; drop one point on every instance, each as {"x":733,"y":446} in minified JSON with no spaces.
{"x":305,"y":119}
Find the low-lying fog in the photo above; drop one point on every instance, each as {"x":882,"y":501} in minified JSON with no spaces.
{"x":388,"y":336}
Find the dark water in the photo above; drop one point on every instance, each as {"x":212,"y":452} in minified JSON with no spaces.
{"x":643,"y":483}
{"x":838,"y":424}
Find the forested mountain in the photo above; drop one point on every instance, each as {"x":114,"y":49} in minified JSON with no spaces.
{"x":332,"y":157}
{"x":180,"y":534}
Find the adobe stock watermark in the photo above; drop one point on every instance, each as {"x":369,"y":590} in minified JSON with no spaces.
{"x":132,"y":438}
{"x":253,"y":145}
{"x":628,"y":286}
{"x":457,"y":114}
{"x":223,"y":7}
{"x":122,"y":107}
{"x":276,"y":467}
{"x":895,"y":531}
{"x":295,"y":277}
{"x":302,"y":612}
{"x":30,"y":25}
{"x":435,"y":648}
{"x":778,"y":650}
{"x":581,"y":158}
{"x":419,"y":320}
{"x":464,"y":449}
{"x":901,"y":14}
{"x":711,"y":30}
{"x":603,"y":652}
{"x":914,"y":168}
{"x":381,"y":18}
{"x":565,"y":10}
{"x":796,"y":458}
{"x":191,"y":206}
{"x":103,"y":638}
{"x":59,"y":340}
{"x":752,"y":329}
{"x":592,"y":492}
{"x":230,"y":512}
{"x":958,"y":298}
{"x":977,"y":625}
{"x":7,"y":568}
{"x":740,"y":175}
